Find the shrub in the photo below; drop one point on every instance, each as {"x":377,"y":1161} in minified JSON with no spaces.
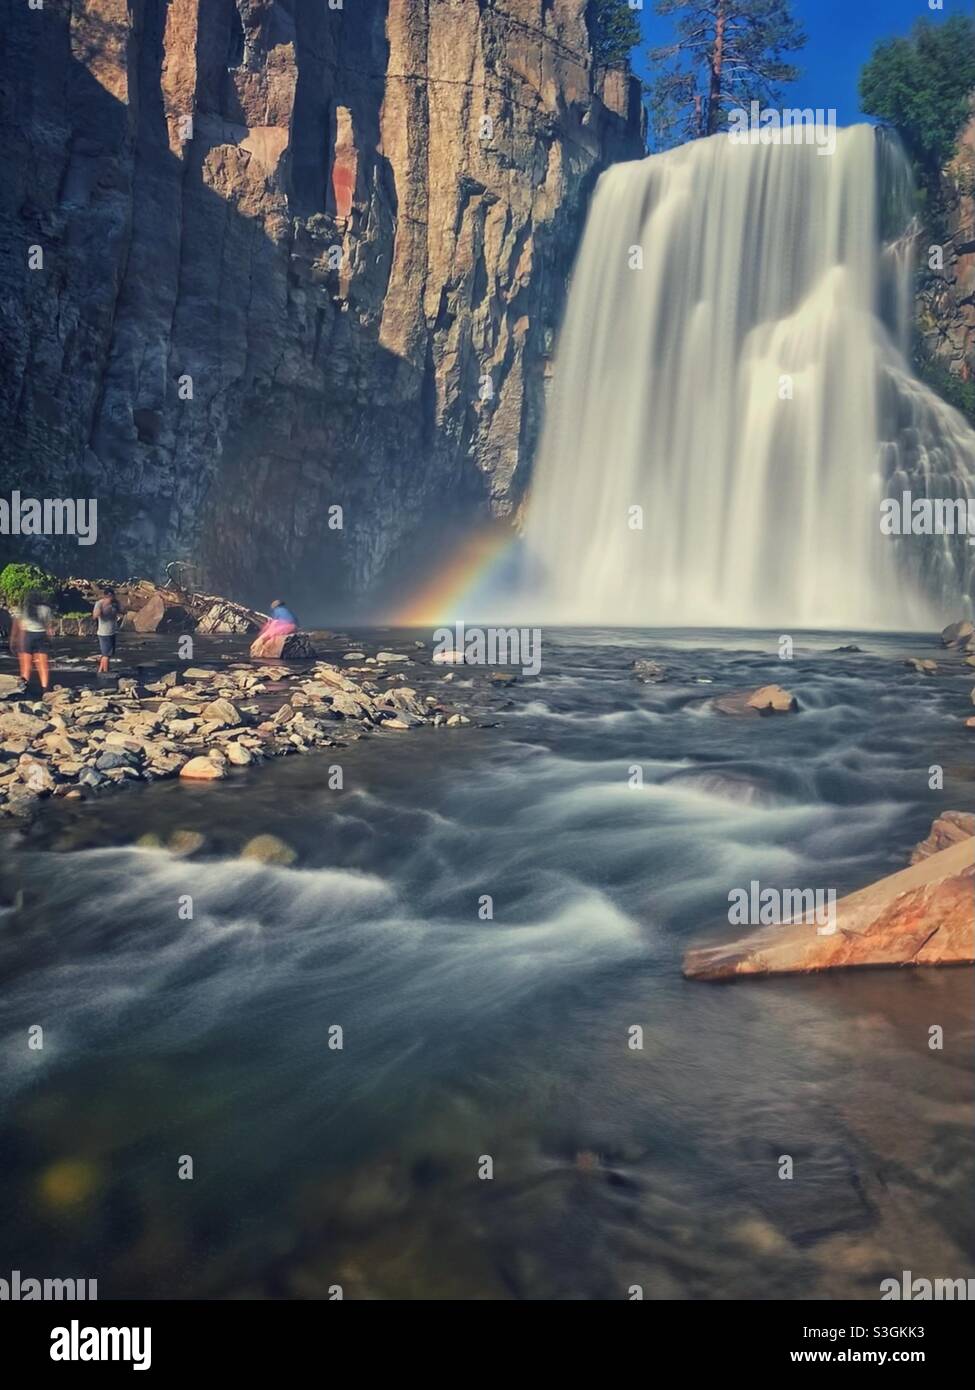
{"x":16,"y":581}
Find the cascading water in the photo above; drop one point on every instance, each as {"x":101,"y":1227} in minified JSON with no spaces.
{"x":733,"y":364}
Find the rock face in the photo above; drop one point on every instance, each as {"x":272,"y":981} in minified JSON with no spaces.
{"x":924,"y":915}
{"x":946,"y":295}
{"x":295,"y":258}
{"x":946,"y":830}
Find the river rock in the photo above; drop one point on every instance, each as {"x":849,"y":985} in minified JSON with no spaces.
{"x":385,"y":658}
{"x":268,"y":849}
{"x":36,"y":775}
{"x":222,"y":616}
{"x":203,"y":769}
{"x":183,"y":843}
{"x":117,"y":758}
{"x":10,"y":687}
{"x":650,"y":672}
{"x":922,"y":666}
{"x":946,"y":830}
{"x":766,"y":700}
{"x":920,"y":916}
{"x":404,"y":698}
{"x":222,"y":714}
{"x":295,"y":646}
{"x":957,"y":634}
{"x":238,"y":755}
{"x":15,"y":725}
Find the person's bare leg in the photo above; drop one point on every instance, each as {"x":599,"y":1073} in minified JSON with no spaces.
{"x":43,"y":669}
{"x":23,"y":660}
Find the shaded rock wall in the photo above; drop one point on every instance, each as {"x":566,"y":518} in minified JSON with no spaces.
{"x":294,"y":258}
{"x":946,"y":294}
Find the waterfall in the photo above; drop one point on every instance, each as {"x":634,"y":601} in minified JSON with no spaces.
{"x":732,"y":401}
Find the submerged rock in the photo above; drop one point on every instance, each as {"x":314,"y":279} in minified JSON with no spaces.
{"x":650,"y":672}
{"x":920,"y":916}
{"x":268,"y":849}
{"x":767,"y":699}
{"x":922,"y":666}
{"x":185,"y":842}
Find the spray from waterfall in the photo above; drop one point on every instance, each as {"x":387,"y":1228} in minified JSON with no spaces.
{"x":733,"y":401}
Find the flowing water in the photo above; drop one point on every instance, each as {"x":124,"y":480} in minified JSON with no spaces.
{"x":732,"y":401}
{"x":508,"y":1037}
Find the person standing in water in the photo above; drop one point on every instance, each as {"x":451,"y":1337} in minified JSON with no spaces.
{"x":30,"y":638}
{"x":106,"y":613}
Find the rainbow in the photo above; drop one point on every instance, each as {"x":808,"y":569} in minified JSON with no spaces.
{"x":447,"y":594}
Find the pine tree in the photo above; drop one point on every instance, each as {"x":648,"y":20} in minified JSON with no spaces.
{"x":613,"y":30}
{"x":725,"y":54}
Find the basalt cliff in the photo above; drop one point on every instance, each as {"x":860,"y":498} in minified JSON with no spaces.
{"x":946,"y":281}
{"x":269,"y":259}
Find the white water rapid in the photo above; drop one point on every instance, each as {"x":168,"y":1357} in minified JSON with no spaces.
{"x":733,"y":363}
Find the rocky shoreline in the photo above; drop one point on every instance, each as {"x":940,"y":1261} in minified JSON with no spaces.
{"x":199,"y":721}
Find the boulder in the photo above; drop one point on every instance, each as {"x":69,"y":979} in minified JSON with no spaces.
{"x":404,"y":698}
{"x":957,"y":634}
{"x":203,"y":769}
{"x":348,"y":706}
{"x":294,"y":646}
{"x":920,"y":916}
{"x":222,"y":713}
{"x":223,"y":616}
{"x":158,"y":613}
{"x":947,"y":829}
{"x":767,"y":699}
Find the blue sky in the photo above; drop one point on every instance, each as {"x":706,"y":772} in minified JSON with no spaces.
{"x":841,"y":37}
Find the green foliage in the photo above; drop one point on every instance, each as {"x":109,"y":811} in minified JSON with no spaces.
{"x":613,"y":30}
{"x":922,"y":86}
{"x":16,"y":581}
{"x":951,"y":388}
{"x":725,"y":54}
